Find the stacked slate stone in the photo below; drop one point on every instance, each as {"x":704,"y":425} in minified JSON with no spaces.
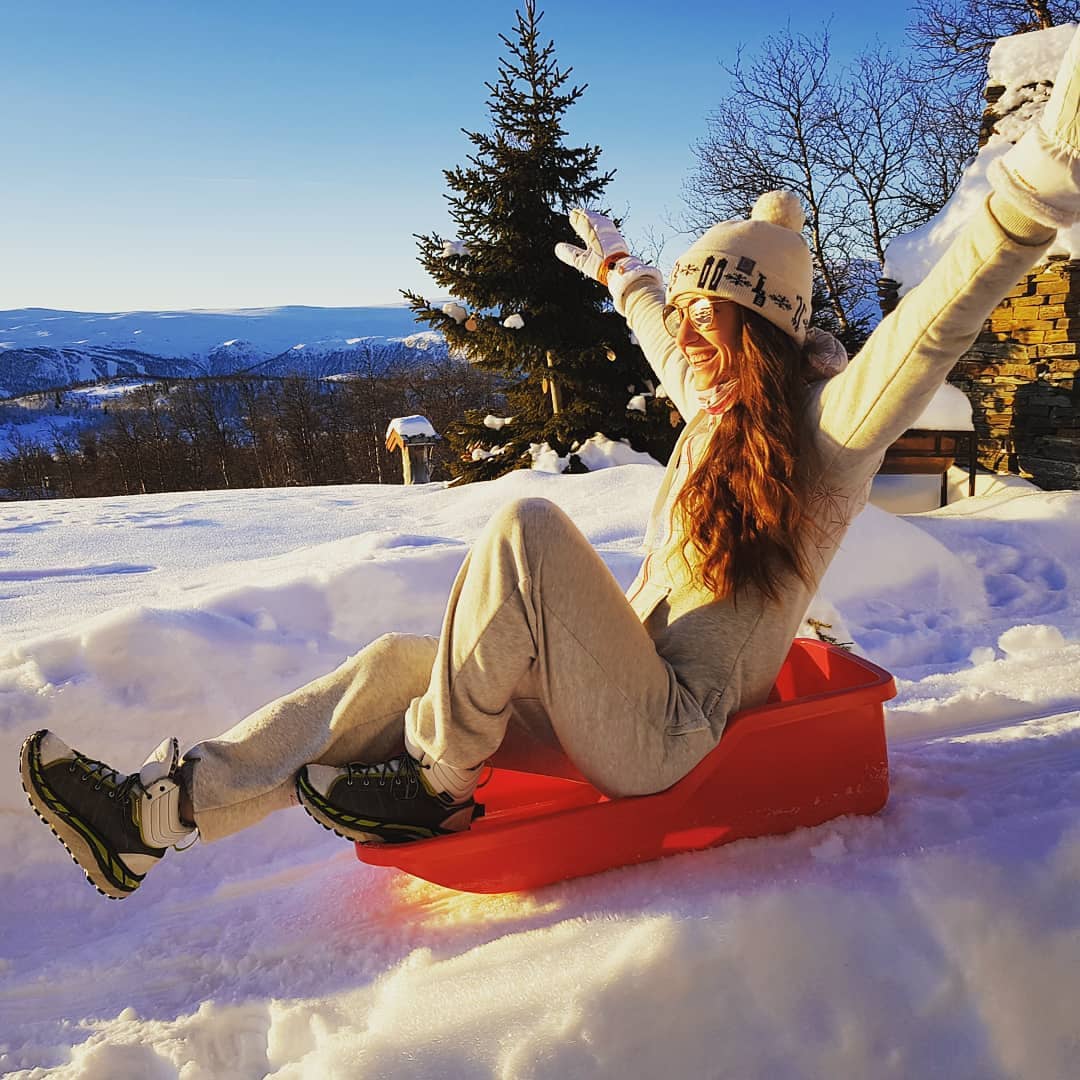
{"x":1020,"y":375}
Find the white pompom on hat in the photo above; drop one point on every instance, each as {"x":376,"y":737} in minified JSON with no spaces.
{"x":762,"y":264}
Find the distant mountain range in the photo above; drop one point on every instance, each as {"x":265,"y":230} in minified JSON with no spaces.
{"x":43,"y":349}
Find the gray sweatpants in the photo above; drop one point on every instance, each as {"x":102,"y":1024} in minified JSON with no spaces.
{"x":541,"y":664}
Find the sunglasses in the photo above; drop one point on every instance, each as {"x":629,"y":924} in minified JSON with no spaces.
{"x":701,"y":312}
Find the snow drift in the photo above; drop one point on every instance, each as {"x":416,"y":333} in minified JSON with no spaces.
{"x":941,"y":937}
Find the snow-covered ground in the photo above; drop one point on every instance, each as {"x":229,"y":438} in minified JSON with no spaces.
{"x":938,"y":939}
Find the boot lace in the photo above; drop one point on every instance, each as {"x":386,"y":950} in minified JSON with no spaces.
{"x":120,"y":787}
{"x":401,"y":773}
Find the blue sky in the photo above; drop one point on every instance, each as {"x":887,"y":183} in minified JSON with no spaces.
{"x":165,"y":155}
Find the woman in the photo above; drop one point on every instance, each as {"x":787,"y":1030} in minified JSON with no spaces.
{"x":541,"y":660}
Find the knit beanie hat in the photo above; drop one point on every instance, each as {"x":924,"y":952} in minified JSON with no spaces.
{"x":763,"y":264}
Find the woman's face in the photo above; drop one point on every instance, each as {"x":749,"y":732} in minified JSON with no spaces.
{"x":711,"y":350}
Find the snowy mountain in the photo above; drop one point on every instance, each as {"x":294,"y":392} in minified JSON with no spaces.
{"x":42,"y":349}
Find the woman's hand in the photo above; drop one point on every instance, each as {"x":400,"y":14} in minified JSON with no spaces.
{"x":1040,"y":175}
{"x":605,"y":257}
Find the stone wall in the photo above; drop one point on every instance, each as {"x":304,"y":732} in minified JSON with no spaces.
{"x":1020,"y":376}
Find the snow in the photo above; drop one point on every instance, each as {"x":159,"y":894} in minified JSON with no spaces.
{"x":916,"y":494}
{"x":598,"y":452}
{"x":514,"y":322}
{"x":1030,"y":640}
{"x":941,"y":937}
{"x":948,"y":410}
{"x":1029,"y":58}
{"x":41,"y":428}
{"x":1020,"y":64}
{"x":268,"y":331}
{"x":545,"y":459}
{"x":409,"y":427}
{"x":496,"y":423}
{"x":423,"y":339}
{"x":105,"y":391}
{"x":36,"y":419}
{"x":482,"y":453}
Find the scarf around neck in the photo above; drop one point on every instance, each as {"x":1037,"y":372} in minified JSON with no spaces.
{"x":718,"y":398}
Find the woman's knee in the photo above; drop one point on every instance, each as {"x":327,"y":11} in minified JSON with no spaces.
{"x":403,"y":648}
{"x":530,"y":516}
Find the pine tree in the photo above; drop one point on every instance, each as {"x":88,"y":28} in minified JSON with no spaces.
{"x":567,"y":363}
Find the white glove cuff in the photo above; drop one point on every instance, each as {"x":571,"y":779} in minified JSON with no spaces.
{"x":1041,"y":177}
{"x":625,"y":274}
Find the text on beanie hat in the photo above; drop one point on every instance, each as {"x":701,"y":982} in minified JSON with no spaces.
{"x":762,"y":264}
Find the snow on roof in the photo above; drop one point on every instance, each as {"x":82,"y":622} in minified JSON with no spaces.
{"x":409,"y":426}
{"x":1019,"y":63}
{"x":948,"y":410}
{"x":1028,"y":58}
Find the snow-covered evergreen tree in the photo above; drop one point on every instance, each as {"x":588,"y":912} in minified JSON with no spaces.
{"x":568,"y":365}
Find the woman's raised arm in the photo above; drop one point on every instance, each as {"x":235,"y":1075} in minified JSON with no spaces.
{"x":1036,"y":190}
{"x":637,"y":291}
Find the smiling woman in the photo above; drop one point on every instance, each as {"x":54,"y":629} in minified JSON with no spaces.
{"x":540,"y":653}
{"x":707,"y":331}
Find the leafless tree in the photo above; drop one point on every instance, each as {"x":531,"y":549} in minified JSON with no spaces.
{"x":846,"y":143}
{"x":951,"y":41}
{"x":871,"y":146}
{"x":65,"y":451}
{"x":954,"y":37}
{"x":26,"y":470}
{"x":771,"y":131}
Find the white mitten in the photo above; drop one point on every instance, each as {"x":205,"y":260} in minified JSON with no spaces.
{"x":1040,"y":175}
{"x":605,"y":257}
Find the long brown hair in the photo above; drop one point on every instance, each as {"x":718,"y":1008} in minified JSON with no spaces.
{"x":745,"y":507}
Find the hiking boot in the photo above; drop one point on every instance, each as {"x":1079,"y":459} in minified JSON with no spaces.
{"x":389,"y":803}
{"x":115,"y":827}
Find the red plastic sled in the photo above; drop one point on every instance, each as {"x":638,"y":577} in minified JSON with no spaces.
{"x":814,"y":752}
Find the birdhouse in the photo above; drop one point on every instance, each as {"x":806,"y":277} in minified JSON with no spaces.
{"x":415,"y":438}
